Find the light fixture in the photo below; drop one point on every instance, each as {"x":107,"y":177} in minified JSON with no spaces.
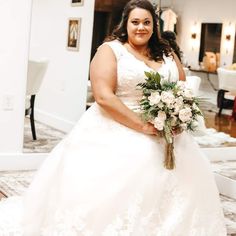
{"x":193,"y":35}
{"x":228,"y":37}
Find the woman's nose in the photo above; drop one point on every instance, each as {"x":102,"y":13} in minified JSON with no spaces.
{"x":140,"y":26}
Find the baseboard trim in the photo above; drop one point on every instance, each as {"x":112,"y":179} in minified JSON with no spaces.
{"x":21,"y":161}
{"x":53,"y":121}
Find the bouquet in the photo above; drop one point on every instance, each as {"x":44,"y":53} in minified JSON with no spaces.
{"x":171,"y":107}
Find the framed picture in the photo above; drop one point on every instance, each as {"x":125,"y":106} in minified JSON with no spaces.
{"x":76,"y":3}
{"x":73,"y":34}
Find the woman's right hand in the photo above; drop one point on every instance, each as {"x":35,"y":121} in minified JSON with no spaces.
{"x":149,"y":128}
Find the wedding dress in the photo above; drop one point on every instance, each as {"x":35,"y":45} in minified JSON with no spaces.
{"x":105,"y":179}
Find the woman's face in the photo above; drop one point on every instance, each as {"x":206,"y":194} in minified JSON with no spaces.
{"x":139,"y":26}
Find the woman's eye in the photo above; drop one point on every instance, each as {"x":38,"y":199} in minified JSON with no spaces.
{"x":147,"y":22}
{"x":135,"y":22}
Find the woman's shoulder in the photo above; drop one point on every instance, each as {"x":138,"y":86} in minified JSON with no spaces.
{"x":113,"y":43}
{"x":116,"y":46}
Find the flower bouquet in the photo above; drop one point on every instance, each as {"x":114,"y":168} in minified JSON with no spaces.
{"x":171,"y":107}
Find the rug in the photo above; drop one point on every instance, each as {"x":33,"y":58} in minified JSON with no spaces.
{"x":14,"y":183}
{"x":47,"y":138}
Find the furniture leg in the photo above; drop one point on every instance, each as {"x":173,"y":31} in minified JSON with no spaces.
{"x":234,"y":110}
{"x":32,"y":99}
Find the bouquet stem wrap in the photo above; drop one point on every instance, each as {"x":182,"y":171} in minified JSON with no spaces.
{"x":169,"y":162}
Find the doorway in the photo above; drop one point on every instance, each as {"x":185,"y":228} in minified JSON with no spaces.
{"x":106,"y":16}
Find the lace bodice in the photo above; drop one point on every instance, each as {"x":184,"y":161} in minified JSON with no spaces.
{"x":130,"y":72}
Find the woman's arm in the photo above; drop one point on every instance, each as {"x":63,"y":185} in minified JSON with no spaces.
{"x":103,"y":75}
{"x":180,"y":67}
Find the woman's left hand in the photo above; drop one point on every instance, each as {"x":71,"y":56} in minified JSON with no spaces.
{"x":177,"y":131}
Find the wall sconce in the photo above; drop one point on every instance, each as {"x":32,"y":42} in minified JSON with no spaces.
{"x":193,"y":35}
{"x":228,"y":34}
{"x":228,"y":37}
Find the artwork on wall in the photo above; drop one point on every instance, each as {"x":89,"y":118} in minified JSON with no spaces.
{"x":73,"y":36}
{"x":76,"y":3}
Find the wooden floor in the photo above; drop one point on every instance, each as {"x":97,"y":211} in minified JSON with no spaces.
{"x":223,"y":123}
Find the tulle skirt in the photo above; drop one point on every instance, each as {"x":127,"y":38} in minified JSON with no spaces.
{"x":105,"y":179}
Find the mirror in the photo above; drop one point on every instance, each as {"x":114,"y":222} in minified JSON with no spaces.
{"x":107,"y":14}
{"x":61,"y":99}
{"x":210,"y":38}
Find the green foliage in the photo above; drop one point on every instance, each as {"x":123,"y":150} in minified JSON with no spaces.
{"x":153,"y":82}
{"x":169,"y":86}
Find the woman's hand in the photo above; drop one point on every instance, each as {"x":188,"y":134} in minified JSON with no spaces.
{"x":177,"y":131}
{"x":149,"y":128}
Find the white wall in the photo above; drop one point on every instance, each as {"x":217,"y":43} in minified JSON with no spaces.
{"x":62,"y":97}
{"x":201,"y":11}
{"x":14,"y":43}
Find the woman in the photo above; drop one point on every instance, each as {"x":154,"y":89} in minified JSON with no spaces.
{"x":107,"y":177}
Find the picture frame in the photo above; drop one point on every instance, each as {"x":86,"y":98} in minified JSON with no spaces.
{"x":73,"y":34}
{"x":76,"y":3}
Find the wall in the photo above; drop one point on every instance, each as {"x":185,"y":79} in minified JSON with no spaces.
{"x":62,"y":97}
{"x":14,"y":42}
{"x":191,"y":11}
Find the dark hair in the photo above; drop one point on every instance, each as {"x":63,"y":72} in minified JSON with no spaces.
{"x":170,"y":37}
{"x":157,"y":46}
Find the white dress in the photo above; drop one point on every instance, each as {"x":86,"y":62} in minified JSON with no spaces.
{"x":105,"y":179}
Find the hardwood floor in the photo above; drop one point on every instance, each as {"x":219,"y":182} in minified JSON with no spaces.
{"x":223,"y":123}
{"x":208,"y":89}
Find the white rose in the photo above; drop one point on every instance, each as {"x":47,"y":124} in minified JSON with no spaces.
{"x":158,"y":123}
{"x":178,"y":104}
{"x":194,"y":124}
{"x":185,"y":114}
{"x":181,"y":84}
{"x":180,"y":93}
{"x":160,"y":105}
{"x":179,"y":100}
{"x":195,"y":107}
{"x":161,"y":115}
{"x":183,"y":126}
{"x":154,"y":98}
{"x":177,"y":108}
{"x":188,"y":93}
{"x":167,"y":97}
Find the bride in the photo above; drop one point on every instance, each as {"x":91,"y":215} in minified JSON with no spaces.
{"x":106,"y":178}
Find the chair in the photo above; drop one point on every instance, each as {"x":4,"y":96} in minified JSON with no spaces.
{"x":36,"y":72}
{"x":227,"y":83}
{"x":193,"y":82}
{"x":187,"y":71}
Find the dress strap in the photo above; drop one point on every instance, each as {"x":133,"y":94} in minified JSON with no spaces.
{"x":116,"y":47}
